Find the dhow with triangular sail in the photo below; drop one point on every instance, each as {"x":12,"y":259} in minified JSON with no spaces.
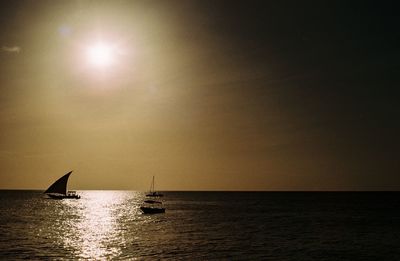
{"x":58,"y":189}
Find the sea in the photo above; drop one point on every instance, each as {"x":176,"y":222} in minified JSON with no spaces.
{"x":109,"y":225}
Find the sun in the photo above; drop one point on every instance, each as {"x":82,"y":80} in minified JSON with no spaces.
{"x":101,"y":55}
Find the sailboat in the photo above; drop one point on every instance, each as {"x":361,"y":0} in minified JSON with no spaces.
{"x":152,"y":192}
{"x":58,"y":189}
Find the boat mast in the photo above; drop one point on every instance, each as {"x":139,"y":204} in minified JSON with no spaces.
{"x":152,"y":185}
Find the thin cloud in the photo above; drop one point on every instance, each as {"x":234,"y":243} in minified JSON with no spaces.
{"x":11,"y":49}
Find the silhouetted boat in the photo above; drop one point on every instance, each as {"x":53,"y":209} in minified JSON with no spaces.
{"x":58,"y":189}
{"x":152,"y":192}
{"x":152,"y":207}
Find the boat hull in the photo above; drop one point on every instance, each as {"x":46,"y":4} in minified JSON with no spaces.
{"x":53,"y":196}
{"x":154,"y":194}
{"x":150,"y":210}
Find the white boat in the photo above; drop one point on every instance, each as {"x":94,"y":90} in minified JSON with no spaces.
{"x":58,"y":190}
{"x":152,"y":192}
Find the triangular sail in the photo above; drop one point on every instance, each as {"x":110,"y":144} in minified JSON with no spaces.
{"x":60,"y":186}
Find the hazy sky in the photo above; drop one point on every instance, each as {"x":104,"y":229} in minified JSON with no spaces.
{"x":205,"y":95}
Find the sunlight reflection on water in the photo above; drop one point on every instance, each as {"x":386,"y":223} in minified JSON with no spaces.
{"x":95,"y":229}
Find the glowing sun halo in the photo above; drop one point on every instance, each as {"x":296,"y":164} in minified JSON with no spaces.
{"x":100,"y":55}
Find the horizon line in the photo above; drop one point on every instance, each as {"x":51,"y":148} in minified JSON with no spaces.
{"x":355,"y":190}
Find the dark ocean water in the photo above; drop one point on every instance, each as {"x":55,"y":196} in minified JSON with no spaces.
{"x":202,"y":226}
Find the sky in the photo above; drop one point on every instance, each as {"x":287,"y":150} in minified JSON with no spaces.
{"x":204,"y":95}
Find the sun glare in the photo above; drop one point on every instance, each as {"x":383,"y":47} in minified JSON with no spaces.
{"x":100,"y":55}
